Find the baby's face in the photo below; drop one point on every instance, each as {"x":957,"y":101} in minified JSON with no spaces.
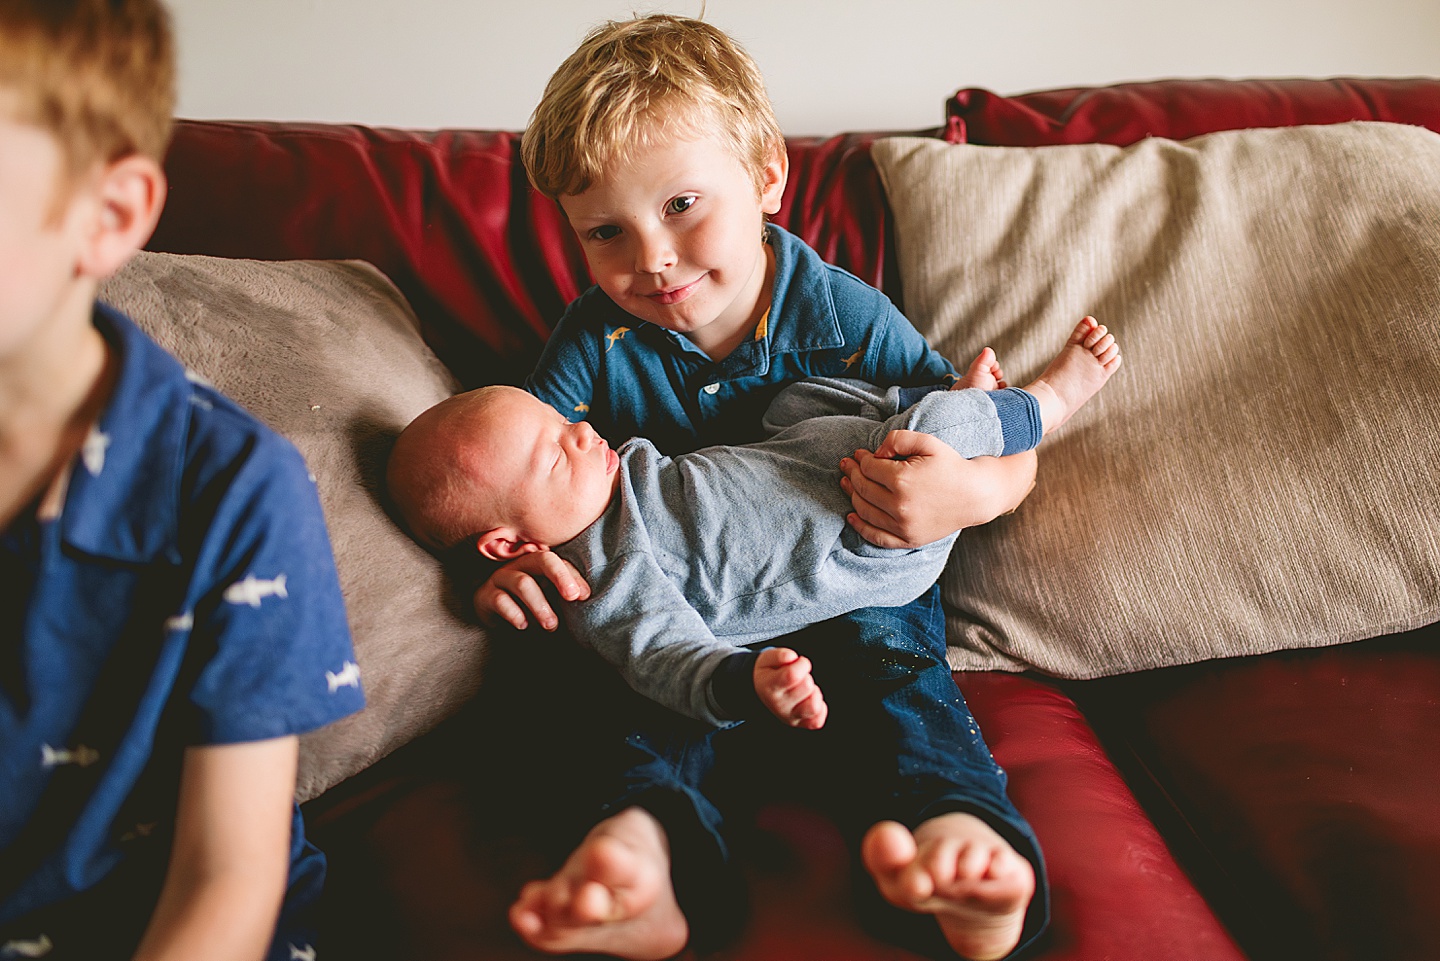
{"x":561,"y":475}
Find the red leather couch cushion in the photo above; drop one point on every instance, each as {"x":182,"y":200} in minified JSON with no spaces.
{"x":1306,"y":783}
{"x":1178,"y":109}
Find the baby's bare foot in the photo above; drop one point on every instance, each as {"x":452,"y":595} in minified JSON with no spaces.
{"x":612,"y":896}
{"x":957,"y":868}
{"x":786,"y":687}
{"x":984,"y":372}
{"x":1076,"y":374}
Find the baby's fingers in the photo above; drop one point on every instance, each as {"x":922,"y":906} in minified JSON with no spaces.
{"x":493,"y":605}
{"x":561,"y":573}
{"x":527,"y":591}
{"x":509,"y":596}
{"x":810,"y":713}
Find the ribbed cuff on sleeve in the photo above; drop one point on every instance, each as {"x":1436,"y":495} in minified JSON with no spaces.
{"x":1019,"y":418}
{"x":732,"y":687}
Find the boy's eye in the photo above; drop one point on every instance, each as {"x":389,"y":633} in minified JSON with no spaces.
{"x":680,"y":204}
{"x":606,"y":232}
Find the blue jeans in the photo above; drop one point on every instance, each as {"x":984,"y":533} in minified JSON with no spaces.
{"x":899,"y":743}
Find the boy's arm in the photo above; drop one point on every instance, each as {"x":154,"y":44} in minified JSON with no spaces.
{"x":899,"y":355}
{"x":230,"y":861}
{"x":565,"y":375}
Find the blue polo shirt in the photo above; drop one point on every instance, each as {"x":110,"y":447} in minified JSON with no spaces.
{"x":186,"y":595}
{"x":631,"y":378}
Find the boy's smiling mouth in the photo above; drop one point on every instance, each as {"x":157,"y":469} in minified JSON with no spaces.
{"x":673,"y":295}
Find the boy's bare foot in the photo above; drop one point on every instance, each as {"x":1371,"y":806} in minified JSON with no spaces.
{"x":957,"y":868}
{"x":1081,"y":368}
{"x":612,"y":896}
{"x":785,"y":686}
{"x":984,"y":372}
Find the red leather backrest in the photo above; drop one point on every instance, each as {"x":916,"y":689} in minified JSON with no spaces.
{"x":1179,"y":109}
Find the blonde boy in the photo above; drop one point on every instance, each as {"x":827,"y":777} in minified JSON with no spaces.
{"x":170,"y":604}
{"x":658,"y":141}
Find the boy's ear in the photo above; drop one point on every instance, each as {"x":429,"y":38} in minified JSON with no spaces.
{"x":772,"y":179}
{"x":504,"y":544}
{"x":129,"y":193}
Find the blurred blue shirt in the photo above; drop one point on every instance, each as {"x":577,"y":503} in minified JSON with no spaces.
{"x":186,"y":595}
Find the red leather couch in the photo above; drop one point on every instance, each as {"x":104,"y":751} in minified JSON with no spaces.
{"x":1284,"y":806}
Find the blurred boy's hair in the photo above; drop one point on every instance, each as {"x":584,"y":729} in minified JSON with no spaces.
{"x":640,"y":81}
{"x":99,"y":75}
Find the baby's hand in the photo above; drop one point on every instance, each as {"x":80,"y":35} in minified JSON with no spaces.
{"x":502,"y":596}
{"x":784,"y":684}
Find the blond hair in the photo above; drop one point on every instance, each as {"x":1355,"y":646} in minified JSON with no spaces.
{"x":99,"y":75}
{"x":638,"y":81}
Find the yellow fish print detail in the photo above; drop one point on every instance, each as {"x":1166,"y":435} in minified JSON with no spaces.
{"x":617,"y":334}
{"x":581,"y":408}
{"x":854,"y":358}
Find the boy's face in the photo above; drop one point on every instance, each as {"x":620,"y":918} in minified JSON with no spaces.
{"x":560,"y":476}
{"x":673,"y":235}
{"x":39,"y":241}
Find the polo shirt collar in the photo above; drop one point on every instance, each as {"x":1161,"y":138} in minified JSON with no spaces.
{"x":807,"y":319}
{"x":122,"y":502}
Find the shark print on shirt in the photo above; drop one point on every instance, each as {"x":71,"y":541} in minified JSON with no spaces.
{"x":252,"y":590}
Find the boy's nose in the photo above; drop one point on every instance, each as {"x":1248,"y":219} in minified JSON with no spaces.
{"x":654,"y":254}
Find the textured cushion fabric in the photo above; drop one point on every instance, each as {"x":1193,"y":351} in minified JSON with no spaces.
{"x":1125,"y":113}
{"x":328,"y":354}
{"x":1260,"y":473}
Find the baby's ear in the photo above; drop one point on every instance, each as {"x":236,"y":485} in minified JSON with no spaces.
{"x":504,"y":544}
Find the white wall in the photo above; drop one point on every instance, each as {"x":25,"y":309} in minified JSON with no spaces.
{"x":831,"y":65}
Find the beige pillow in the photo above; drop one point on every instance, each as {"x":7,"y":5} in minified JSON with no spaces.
{"x":1261,"y":473}
{"x":328,"y":354}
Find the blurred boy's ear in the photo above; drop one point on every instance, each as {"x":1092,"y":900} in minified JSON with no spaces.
{"x":504,"y":544}
{"x":772,"y":179}
{"x":129,"y":194}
